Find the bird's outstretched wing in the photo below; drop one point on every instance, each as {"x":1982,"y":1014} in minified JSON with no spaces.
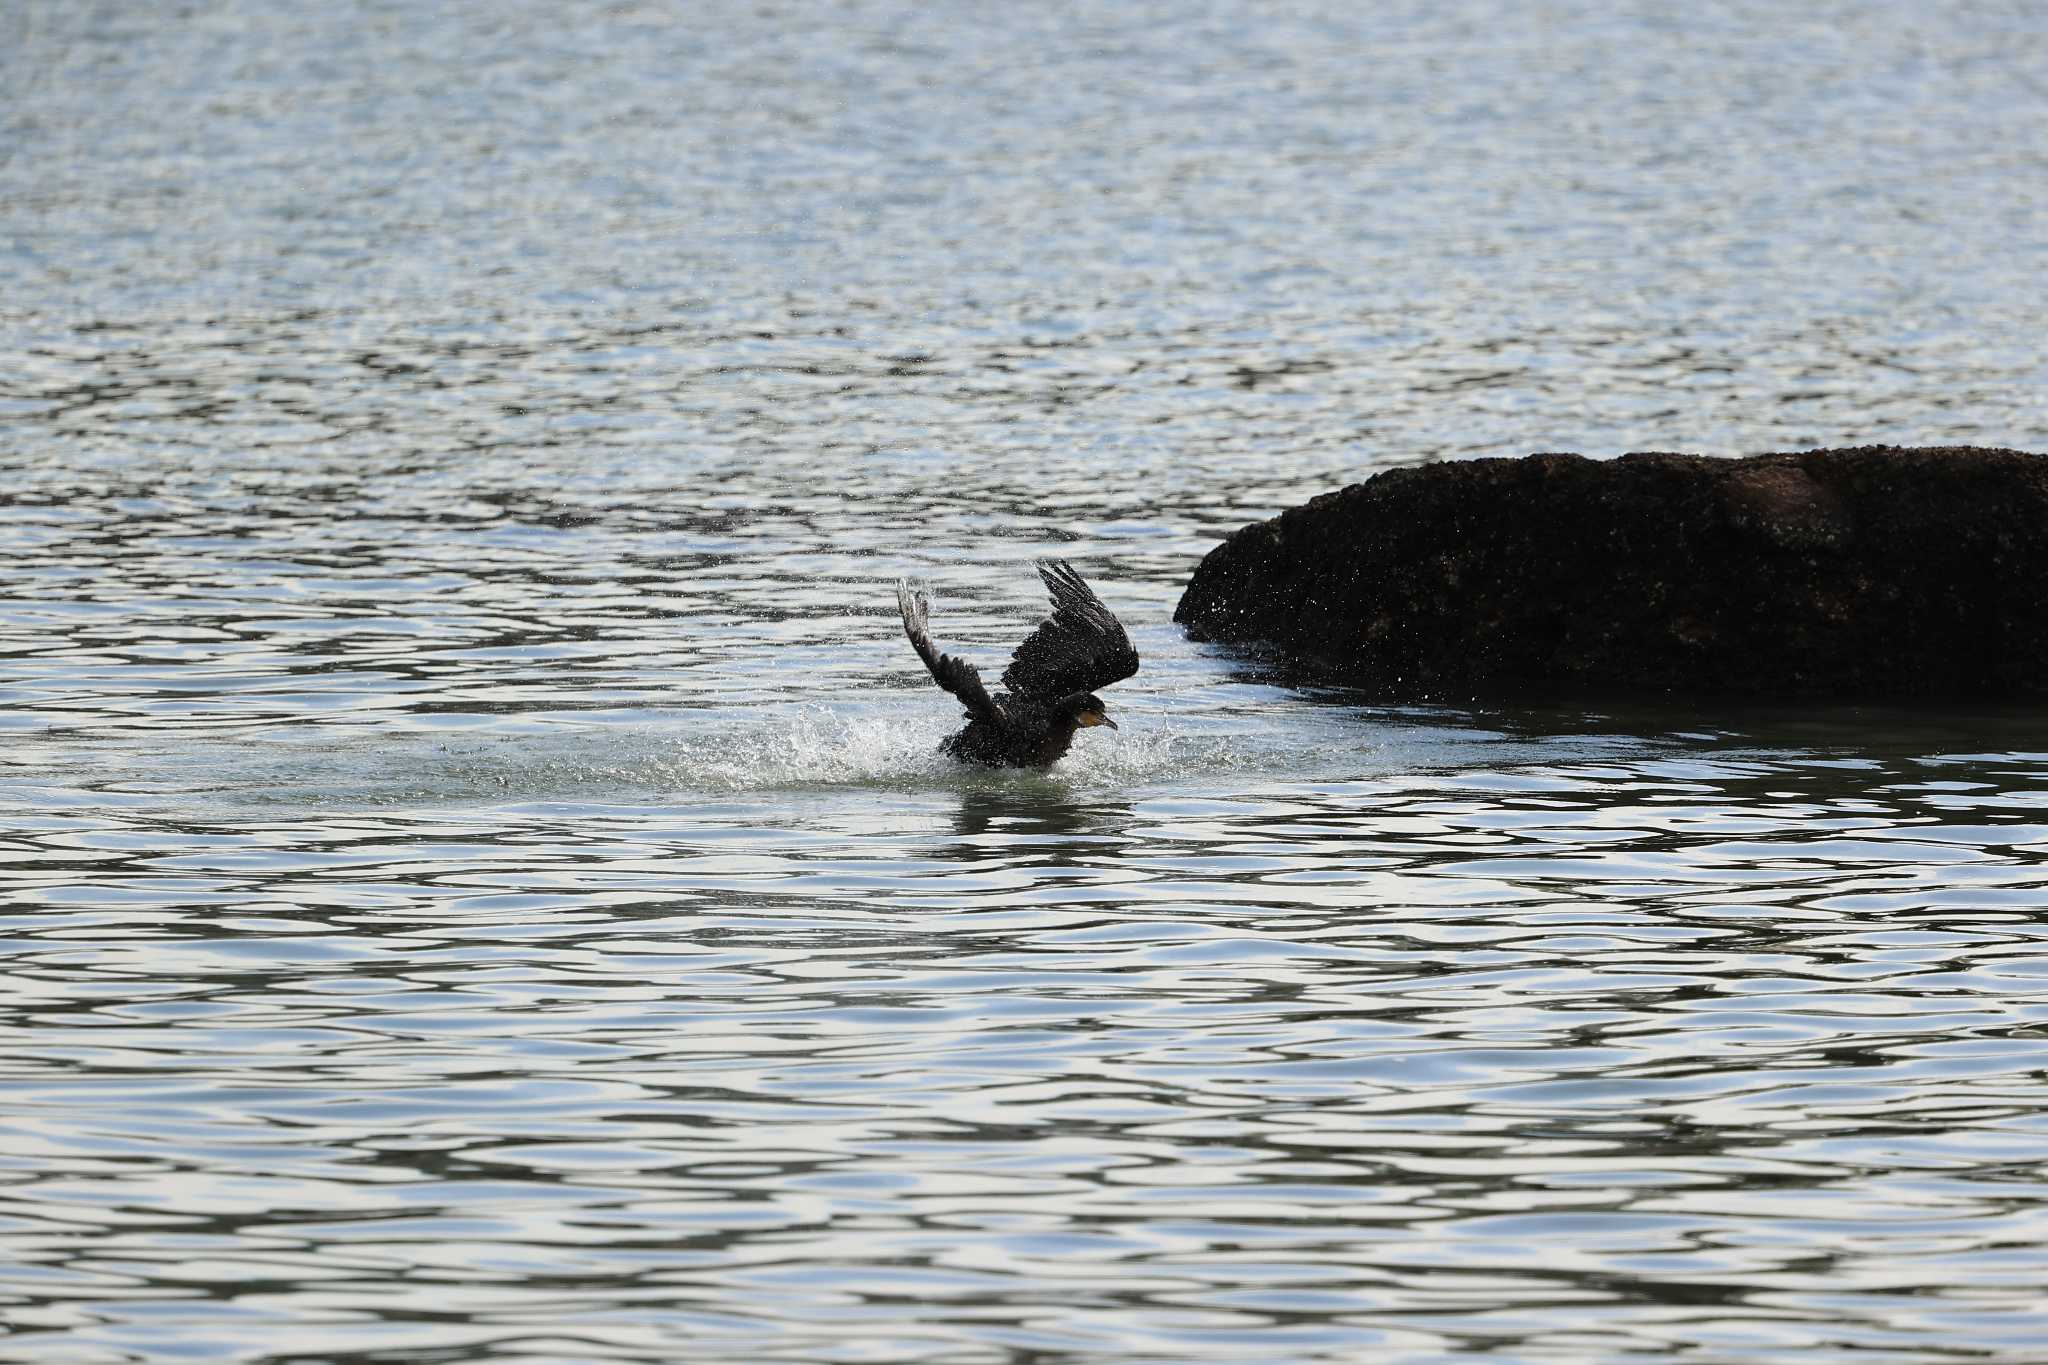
{"x":957,"y":676}
{"x":1079,"y":648}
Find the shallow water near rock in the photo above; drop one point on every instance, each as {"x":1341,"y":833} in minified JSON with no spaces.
{"x":478,"y":880}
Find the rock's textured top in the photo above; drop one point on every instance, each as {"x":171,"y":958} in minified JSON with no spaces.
{"x":1876,"y":572}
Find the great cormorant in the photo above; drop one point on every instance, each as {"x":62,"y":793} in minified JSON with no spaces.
{"x":1051,"y":678}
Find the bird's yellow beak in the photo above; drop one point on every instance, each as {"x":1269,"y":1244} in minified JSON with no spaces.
{"x":1092,"y":718}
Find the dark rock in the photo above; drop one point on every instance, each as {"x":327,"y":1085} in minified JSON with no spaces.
{"x":1877,"y":572}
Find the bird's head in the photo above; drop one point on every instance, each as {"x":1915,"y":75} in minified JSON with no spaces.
{"x":1086,"y":709}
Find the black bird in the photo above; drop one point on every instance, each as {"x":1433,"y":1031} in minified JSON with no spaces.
{"x":1052,"y":677}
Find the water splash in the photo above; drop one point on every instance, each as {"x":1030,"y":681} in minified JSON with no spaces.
{"x":805,"y":746}
{"x":813,"y":746}
{"x":665,"y":758}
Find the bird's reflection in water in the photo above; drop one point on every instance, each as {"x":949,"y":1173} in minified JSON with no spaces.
{"x":993,"y":822}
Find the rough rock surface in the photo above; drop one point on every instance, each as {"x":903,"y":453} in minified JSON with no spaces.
{"x":1872,"y":573}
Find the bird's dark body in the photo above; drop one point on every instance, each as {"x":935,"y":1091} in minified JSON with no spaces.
{"x":1024,"y":734}
{"x":1051,"y":678}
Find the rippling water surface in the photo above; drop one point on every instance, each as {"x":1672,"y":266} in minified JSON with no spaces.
{"x":477,"y":880}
